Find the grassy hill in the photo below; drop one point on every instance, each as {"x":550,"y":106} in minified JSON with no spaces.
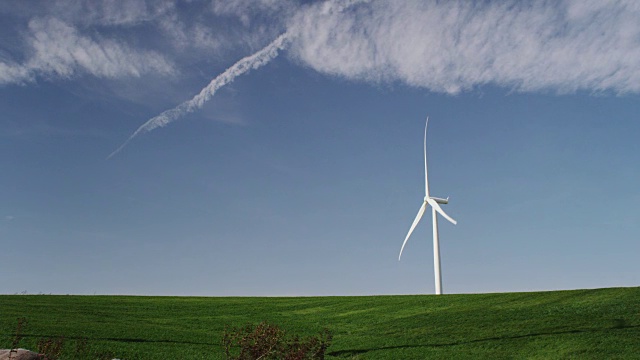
{"x":577,"y":324}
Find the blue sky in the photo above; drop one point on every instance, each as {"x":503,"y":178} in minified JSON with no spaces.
{"x":302,"y":175}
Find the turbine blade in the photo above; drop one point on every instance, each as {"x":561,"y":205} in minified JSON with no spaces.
{"x":413,"y":226}
{"x":437,"y":207}
{"x":426,"y":177}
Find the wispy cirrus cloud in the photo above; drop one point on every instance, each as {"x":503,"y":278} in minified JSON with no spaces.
{"x":91,"y":12}
{"x":13,"y":73}
{"x":455,"y":46}
{"x":62,"y":39}
{"x":57,"y":50}
{"x":248,"y":10}
{"x":441,"y":46}
{"x":452,"y":46}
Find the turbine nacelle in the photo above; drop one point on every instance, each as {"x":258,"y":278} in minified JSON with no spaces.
{"x":436,"y":199}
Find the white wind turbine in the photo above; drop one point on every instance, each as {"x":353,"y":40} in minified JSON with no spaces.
{"x":435,"y":208}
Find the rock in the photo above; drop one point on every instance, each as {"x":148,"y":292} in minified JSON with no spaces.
{"x":20,"y":354}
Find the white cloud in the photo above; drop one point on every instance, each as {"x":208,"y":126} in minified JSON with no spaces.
{"x":443,"y":46}
{"x":185,"y":35}
{"x":58,"y":50}
{"x":116,"y":12}
{"x":90,"y":12}
{"x":451,"y":46}
{"x":13,"y":73}
{"x":247,"y":10}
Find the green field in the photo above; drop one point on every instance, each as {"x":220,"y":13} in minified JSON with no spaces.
{"x":577,"y":324}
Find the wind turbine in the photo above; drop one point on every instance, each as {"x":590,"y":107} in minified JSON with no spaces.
{"x":435,"y":208}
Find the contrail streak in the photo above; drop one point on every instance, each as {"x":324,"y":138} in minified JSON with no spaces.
{"x":245,"y":65}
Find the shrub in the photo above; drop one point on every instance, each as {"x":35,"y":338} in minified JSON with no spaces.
{"x":265,"y":341}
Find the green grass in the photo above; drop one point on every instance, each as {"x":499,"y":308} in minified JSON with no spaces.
{"x":578,"y":324}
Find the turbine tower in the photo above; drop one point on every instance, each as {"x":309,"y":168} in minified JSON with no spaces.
{"x":435,"y":208}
